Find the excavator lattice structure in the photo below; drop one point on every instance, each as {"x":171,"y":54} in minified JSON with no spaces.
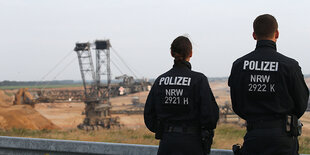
{"x":97,"y":108}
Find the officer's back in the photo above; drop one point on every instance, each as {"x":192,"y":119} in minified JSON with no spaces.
{"x":268,"y":83}
{"x":269,"y":92}
{"x":180,"y":107}
{"x":180,"y":88}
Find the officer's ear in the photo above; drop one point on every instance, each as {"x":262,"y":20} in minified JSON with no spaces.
{"x":189,"y":56}
{"x":254,"y":36}
{"x":276,"y":35}
{"x":171,"y":54}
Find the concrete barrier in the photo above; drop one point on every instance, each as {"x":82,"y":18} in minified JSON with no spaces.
{"x":37,"y":146}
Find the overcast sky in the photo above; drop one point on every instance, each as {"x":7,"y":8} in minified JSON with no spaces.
{"x":37,"y":34}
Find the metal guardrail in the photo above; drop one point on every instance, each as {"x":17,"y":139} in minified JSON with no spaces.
{"x":37,"y":146}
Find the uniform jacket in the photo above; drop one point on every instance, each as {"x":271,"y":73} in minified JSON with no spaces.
{"x":183,"y":97}
{"x":266,"y":83}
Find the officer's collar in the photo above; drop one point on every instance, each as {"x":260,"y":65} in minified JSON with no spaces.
{"x":266,"y":43}
{"x":181,"y":64}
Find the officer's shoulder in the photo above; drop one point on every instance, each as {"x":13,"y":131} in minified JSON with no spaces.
{"x":162,"y":75}
{"x":199,"y":75}
{"x":241,"y":59}
{"x":287,"y":60}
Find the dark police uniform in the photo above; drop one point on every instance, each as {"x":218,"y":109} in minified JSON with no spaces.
{"x":183,"y":102}
{"x":265,"y":87}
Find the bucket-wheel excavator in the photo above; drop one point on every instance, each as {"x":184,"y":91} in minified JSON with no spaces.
{"x":97,"y":108}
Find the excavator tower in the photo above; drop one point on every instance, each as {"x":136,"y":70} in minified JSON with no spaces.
{"x":97,"y":108}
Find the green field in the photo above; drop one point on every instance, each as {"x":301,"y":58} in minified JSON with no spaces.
{"x":225,"y":136}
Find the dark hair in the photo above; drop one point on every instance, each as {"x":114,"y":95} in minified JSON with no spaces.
{"x":181,"y":48}
{"x":264,"y":26}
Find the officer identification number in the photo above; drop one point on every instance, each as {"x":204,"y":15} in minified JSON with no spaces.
{"x":261,"y":87}
{"x":175,"y":96}
{"x":260,"y":83}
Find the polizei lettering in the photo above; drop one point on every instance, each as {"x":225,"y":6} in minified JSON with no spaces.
{"x":270,"y":66}
{"x":175,"y":81}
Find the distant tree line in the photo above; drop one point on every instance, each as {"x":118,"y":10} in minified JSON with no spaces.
{"x":72,"y":82}
{"x":38,"y":83}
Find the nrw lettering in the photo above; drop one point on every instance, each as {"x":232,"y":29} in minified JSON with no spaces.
{"x":174,"y":92}
{"x":260,"y":78}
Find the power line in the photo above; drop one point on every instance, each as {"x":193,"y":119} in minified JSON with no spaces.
{"x":60,"y":72}
{"x":50,"y":71}
{"x":123,"y":61}
{"x":117,"y":67}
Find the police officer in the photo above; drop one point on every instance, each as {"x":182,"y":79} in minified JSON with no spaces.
{"x":269,"y":92}
{"x":180,"y":107}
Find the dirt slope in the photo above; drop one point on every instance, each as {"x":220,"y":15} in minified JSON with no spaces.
{"x":5,"y":100}
{"x":21,"y":116}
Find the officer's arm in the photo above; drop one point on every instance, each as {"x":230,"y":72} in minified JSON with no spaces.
{"x":149,"y":112}
{"x":209,"y":109}
{"x":299,"y":92}
{"x":232,"y":83}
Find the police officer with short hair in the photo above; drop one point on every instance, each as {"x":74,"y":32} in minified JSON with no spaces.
{"x":180,"y":107}
{"x":269,"y":92}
